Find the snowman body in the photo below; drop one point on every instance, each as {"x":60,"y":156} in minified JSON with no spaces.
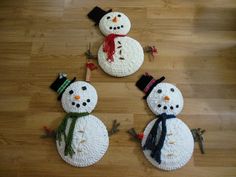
{"x":90,"y":142}
{"x":128,"y":54}
{"x":178,"y":144}
{"x":90,"y":137}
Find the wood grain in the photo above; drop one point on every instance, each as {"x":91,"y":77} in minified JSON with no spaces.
{"x":196,"y":41}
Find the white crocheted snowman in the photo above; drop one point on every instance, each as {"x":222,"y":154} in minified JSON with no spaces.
{"x":81,"y":139}
{"x":119,"y":55}
{"x":167,"y":142}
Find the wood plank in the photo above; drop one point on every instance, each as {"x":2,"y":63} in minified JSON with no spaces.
{"x":196,"y":42}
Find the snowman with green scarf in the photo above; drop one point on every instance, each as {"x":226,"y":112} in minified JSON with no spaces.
{"x":81,"y":138}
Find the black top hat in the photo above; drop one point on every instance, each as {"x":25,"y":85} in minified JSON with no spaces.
{"x":60,"y":84}
{"x":146,"y":83}
{"x":96,"y":14}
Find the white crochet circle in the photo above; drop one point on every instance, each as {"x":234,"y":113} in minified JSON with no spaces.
{"x":86,"y":102}
{"x":127,"y":48}
{"x":90,"y":142}
{"x":156,"y":101}
{"x":173,"y":156}
{"x":108,"y":26}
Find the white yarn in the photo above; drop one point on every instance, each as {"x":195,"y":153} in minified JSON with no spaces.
{"x":90,"y":137}
{"x":132,"y":53}
{"x":123,"y":23}
{"x":90,"y":142}
{"x":176,"y":155}
{"x":88,"y":97}
{"x":173,"y":156}
{"x":176,"y":101}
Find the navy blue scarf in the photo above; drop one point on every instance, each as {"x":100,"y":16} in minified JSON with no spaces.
{"x":150,"y":143}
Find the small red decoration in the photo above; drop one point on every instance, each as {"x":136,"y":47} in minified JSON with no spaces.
{"x":91,"y":66}
{"x":140,"y":136}
{"x":153,"y":50}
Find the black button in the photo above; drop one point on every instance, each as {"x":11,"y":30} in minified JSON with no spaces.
{"x":171,"y":107}
{"x":159,"y":105}
{"x":114,"y":28}
{"x":118,"y":27}
{"x":110,"y":28}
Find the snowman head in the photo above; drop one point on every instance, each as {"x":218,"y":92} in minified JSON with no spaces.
{"x":161,"y":97}
{"x":76,"y":96}
{"x":165,"y":98}
{"x":79,"y":97}
{"x":114,"y":22}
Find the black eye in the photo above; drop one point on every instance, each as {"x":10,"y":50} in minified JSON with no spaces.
{"x":84,"y":104}
{"x":119,"y":15}
{"x":172,"y":89}
{"x":77,"y":105}
{"x":108,"y":17}
{"x":84,"y":88}
{"x":159,"y":91}
{"x":71,"y":92}
{"x":110,"y":28}
{"x":88,"y":100}
{"x":177,"y":106}
{"x":121,"y":26}
{"x":73,"y":103}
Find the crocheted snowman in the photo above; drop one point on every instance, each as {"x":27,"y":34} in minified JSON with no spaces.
{"x":81,"y":139}
{"x":167,"y":142}
{"x":119,"y":55}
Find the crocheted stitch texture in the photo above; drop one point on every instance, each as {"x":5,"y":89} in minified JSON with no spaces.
{"x":121,"y":25}
{"x":90,"y":142}
{"x":157,"y":103}
{"x":178,"y":145}
{"x":128,"y":57}
{"x":80,"y":97}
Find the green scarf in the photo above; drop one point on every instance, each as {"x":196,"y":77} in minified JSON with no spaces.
{"x":62,"y":131}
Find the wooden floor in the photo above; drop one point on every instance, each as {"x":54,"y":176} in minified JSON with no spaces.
{"x":197,"y":52}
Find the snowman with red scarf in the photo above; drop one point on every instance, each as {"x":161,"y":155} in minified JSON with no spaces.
{"x":119,"y":55}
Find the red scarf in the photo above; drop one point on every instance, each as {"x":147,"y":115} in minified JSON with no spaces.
{"x":109,"y":46}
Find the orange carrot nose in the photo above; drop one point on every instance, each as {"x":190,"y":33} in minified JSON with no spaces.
{"x":166,"y":98}
{"x":114,"y":19}
{"x":77,"y":97}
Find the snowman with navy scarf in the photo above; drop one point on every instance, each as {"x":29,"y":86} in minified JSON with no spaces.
{"x":81,"y":138}
{"x":119,"y":55}
{"x":167,"y":141}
